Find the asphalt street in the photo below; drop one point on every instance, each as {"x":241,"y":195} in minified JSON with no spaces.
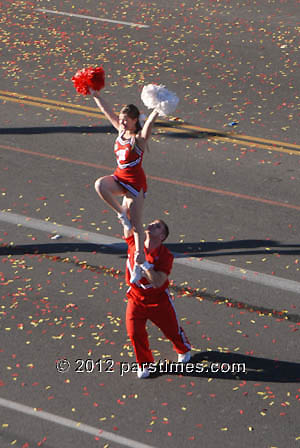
{"x":223,"y":172}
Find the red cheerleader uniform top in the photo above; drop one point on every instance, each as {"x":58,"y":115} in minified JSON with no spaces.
{"x":129,"y":159}
{"x":144,"y":292}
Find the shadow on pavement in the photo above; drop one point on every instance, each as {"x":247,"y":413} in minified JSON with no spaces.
{"x":235,"y":367}
{"x":181,"y":250}
{"x":180,"y":131}
{"x":55,"y":248}
{"x":174,"y":133}
{"x":236,"y":247}
{"x":58,"y":130}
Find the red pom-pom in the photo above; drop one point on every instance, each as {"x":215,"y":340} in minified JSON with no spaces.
{"x":80,"y":82}
{"x":96,"y":78}
{"x":87,"y":78}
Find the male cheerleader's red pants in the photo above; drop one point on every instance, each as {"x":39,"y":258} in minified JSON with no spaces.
{"x":162,"y":315}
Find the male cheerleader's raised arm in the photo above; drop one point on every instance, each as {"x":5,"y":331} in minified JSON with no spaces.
{"x":106,"y":109}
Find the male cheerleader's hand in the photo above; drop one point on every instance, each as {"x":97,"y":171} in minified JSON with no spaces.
{"x":139,"y":257}
{"x":146,"y":266}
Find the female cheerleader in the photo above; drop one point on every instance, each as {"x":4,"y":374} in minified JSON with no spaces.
{"x":128,"y":180}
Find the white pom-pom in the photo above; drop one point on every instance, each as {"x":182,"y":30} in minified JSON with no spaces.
{"x":160,"y":98}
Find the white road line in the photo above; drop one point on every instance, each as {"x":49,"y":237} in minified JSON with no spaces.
{"x":71,"y":424}
{"x":115,"y":243}
{"x":71,"y":14}
{"x":44,"y":226}
{"x":241,"y":273}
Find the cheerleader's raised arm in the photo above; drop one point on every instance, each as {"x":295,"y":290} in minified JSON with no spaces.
{"x":106,"y":109}
{"x":146,"y":130}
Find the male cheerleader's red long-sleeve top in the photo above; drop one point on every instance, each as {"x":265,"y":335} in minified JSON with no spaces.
{"x":144,"y":292}
{"x":129,"y":159}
